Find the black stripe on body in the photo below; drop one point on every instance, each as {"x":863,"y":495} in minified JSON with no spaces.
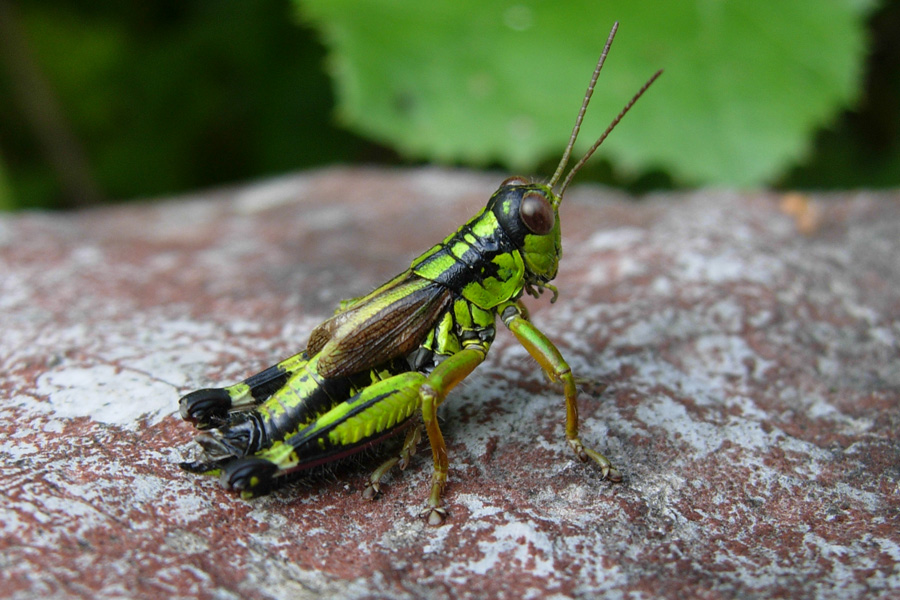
{"x":475,"y":264}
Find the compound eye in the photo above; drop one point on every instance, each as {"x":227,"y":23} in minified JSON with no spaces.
{"x":536,"y":213}
{"x":514,"y":180}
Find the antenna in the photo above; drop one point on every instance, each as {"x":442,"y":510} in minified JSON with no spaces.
{"x":584,"y":159}
{"x":584,"y":104}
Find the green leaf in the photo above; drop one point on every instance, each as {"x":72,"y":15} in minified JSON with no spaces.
{"x":746,"y":83}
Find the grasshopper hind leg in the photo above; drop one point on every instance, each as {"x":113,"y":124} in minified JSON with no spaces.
{"x":251,"y":476}
{"x":378,"y":412}
{"x":254,"y":476}
{"x":209,"y":408}
{"x":206,"y":408}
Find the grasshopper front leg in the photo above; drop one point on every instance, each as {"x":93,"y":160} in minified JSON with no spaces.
{"x":550,"y":359}
{"x":442,"y":379}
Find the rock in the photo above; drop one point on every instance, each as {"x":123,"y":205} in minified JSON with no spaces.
{"x":749,"y":343}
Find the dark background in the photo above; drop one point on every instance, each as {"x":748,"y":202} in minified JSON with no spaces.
{"x":89,"y":91}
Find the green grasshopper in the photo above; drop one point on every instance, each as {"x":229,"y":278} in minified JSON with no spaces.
{"x":381,"y":359}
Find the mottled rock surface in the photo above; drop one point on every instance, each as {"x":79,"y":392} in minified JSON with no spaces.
{"x":750,"y":343}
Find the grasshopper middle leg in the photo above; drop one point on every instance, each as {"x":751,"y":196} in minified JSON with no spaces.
{"x":402,"y":460}
{"x":432,"y":393}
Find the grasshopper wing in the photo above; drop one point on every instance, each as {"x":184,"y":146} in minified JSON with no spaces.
{"x":388,"y":323}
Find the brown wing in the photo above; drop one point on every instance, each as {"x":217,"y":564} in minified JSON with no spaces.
{"x":321,"y":334}
{"x":388,"y":323}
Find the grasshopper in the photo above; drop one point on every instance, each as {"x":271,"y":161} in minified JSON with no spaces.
{"x":385,"y":357}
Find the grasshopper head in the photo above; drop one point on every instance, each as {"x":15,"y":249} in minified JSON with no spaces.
{"x":529,"y":213}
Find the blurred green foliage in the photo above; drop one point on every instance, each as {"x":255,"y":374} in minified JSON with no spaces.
{"x":746,"y":82}
{"x":171,"y":96}
{"x":102,"y":100}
